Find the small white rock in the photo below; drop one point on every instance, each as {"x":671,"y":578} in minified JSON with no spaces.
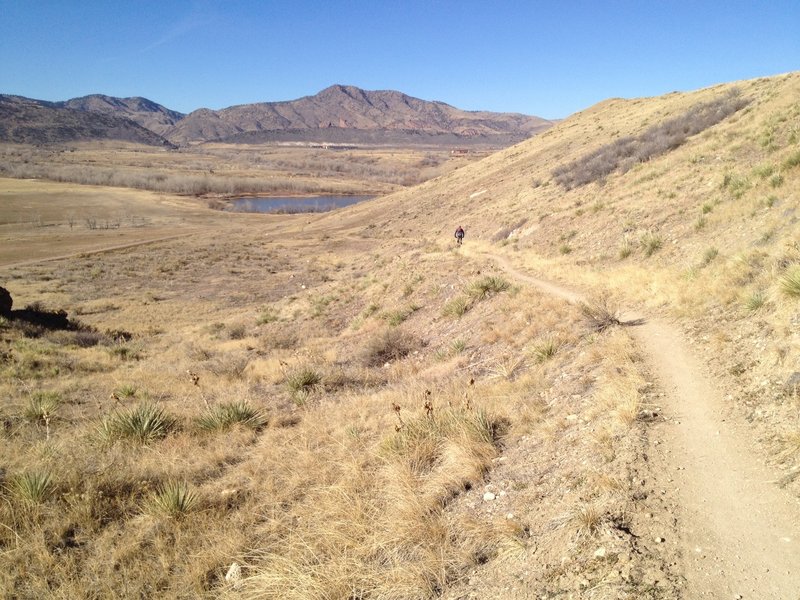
{"x":600,"y":552}
{"x":488,"y":497}
{"x":234,"y":575}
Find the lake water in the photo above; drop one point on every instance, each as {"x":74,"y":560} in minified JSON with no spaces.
{"x":294,"y":205}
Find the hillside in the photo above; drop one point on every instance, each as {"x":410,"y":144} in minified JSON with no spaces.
{"x":146,"y":113}
{"x":594,"y":397}
{"x":347,"y":114}
{"x":28,"y":121}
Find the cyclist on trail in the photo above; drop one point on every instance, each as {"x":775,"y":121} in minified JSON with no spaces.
{"x":459,"y":235}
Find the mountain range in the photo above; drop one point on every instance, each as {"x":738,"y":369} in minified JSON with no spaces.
{"x":337,"y":114}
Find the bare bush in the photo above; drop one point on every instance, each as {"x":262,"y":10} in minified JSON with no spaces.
{"x":624,"y":153}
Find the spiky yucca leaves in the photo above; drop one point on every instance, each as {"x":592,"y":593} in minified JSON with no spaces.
{"x":490,"y":284}
{"x":174,"y":499}
{"x":790,"y":282}
{"x":303,"y":379}
{"x":42,"y":406}
{"x":226,"y":415}
{"x":143,"y":424}
{"x":546,"y":348}
{"x":32,"y":487}
{"x":755,"y":300}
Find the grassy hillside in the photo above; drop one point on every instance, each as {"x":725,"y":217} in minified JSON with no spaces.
{"x":347,"y":406}
{"x":705,"y":232}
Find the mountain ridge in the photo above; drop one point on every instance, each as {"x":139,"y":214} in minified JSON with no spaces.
{"x":336,"y":114}
{"x":349,"y":107}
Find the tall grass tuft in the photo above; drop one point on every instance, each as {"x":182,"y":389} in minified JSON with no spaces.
{"x":650,"y":242}
{"x":226,"y":415}
{"x":456,"y":307}
{"x":143,"y":424}
{"x":173,"y":499}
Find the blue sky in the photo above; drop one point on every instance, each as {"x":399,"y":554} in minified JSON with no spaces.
{"x":546,"y":58}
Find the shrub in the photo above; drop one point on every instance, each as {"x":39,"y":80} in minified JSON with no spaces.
{"x":600,"y":313}
{"x":776,"y":180}
{"x":174,"y":499}
{"x":226,"y":415}
{"x":143,"y":424}
{"x":389,"y":345}
{"x":624,"y":153}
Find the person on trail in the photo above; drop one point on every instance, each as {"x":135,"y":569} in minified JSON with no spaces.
{"x":459,"y":235}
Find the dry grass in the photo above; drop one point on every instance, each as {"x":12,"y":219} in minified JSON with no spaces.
{"x":328,"y":498}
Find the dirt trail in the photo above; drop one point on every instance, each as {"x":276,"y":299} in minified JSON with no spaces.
{"x":94,"y":250}
{"x":739,"y":532}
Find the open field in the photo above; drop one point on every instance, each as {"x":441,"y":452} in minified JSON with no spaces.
{"x":347,"y":406}
{"x":220,"y":170}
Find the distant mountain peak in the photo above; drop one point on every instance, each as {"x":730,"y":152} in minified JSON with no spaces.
{"x":349,"y":114}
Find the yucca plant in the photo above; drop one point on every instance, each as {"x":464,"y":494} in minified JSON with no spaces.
{"x":143,"y":424}
{"x":33,"y":487}
{"x":174,"y":499}
{"x":546,"y":349}
{"x":790,"y":282}
{"x":126,"y":391}
{"x":755,"y":301}
{"x":491,"y":284}
{"x":42,"y":406}
{"x":303,"y":379}
{"x":456,"y":307}
{"x":226,"y":415}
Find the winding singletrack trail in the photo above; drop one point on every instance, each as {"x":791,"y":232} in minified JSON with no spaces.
{"x":739,"y":532}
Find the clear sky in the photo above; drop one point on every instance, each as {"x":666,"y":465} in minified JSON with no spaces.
{"x":545,"y":58}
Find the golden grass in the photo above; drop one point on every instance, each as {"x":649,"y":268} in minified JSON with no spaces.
{"x":342,"y":495}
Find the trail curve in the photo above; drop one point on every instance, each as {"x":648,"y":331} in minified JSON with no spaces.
{"x":740,"y":533}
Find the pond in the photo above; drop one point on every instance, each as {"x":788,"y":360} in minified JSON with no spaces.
{"x":288,"y":205}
